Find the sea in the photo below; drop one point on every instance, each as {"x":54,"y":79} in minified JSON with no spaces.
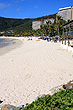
{"x":7,"y":44}
{"x":3,"y":43}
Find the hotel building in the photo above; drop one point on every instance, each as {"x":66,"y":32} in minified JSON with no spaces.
{"x":36,"y":24}
{"x":66,"y":13}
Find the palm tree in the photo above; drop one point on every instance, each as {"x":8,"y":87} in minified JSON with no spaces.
{"x":49,"y":25}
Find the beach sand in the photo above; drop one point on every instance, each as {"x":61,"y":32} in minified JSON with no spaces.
{"x":32,"y":70}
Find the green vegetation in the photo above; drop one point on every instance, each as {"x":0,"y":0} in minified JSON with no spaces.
{"x":23,"y":27}
{"x":9,"y":23}
{"x":14,"y":27}
{"x":62,"y":100}
{"x":45,"y":17}
{"x":52,"y":29}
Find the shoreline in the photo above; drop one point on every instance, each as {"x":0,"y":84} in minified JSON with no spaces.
{"x":32,"y":70}
{"x":13,"y":43}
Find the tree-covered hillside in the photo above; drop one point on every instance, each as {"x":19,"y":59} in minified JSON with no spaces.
{"x":7,"y":24}
{"x":45,"y":17}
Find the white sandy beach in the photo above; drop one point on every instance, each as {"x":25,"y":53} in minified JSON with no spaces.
{"x":32,"y":70}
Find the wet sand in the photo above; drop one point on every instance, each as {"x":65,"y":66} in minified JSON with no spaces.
{"x":10,"y":43}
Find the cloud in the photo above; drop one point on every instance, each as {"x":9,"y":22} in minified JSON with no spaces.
{"x":18,"y":9}
{"x":35,"y":6}
{"x":22,"y":0}
{"x":2,"y":5}
{"x":17,"y":1}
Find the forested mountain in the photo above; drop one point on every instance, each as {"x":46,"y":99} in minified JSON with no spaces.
{"x":7,"y":24}
{"x":45,"y":17}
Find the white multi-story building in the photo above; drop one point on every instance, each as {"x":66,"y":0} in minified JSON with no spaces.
{"x":66,"y":13}
{"x":36,"y":24}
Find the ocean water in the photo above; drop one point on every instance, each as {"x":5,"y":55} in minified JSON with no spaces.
{"x":3,"y":43}
{"x":7,"y":44}
{"x":1,"y":40}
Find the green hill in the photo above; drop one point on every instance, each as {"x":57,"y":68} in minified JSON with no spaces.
{"x":45,"y":17}
{"x":7,"y":24}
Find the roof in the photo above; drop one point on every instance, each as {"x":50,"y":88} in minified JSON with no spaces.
{"x":66,"y":8}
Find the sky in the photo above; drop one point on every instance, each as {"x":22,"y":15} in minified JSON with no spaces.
{"x":22,"y":9}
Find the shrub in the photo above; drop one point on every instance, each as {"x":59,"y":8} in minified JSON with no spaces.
{"x":62,"y":100}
